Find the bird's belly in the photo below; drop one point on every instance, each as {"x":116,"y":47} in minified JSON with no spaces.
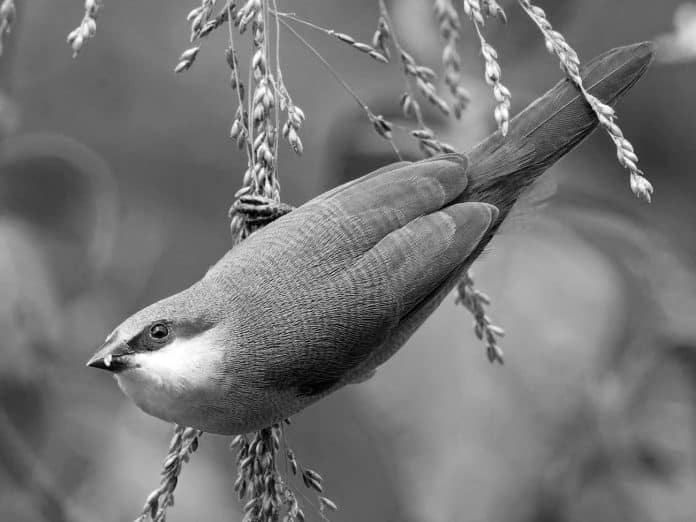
{"x":221,"y":408}
{"x":237,"y":413}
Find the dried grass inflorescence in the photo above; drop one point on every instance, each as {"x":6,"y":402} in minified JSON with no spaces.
{"x":570,"y":63}
{"x":87,"y":28}
{"x":184,"y":442}
{"x":267,"y":492}
{"x":256,"y":124}
{"x":7,"y":16}
{"x":449,"y":25}
{"x":477,"y":11}
{"x":262,"y":102}
{"x":423,"y":77}
{"x":476,"y":301}
{"x":378,"y":50}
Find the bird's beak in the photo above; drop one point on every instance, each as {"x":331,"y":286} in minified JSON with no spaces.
{"x":111,"y":356}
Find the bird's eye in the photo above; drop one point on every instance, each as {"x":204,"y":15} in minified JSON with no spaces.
{"x":159,"y":331}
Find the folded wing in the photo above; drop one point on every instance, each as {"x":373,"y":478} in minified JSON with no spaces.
{"x":332,"y":280}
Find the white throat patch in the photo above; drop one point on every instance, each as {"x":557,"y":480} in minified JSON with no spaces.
{"x":164,"y":379}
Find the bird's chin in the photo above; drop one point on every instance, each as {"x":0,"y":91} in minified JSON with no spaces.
{"x":122,"y":364}
{"x":150,"y":393}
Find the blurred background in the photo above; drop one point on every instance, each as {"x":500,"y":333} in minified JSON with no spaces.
{"x":115,"y":180}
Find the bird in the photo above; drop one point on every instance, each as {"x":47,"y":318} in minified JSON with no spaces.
{"x":320,"y":297}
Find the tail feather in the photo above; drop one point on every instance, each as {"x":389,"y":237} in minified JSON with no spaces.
{"x":501,"y":168}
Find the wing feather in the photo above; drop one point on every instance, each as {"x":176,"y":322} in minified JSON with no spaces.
{"x":331,"y":281}
{"x":414,"y":260}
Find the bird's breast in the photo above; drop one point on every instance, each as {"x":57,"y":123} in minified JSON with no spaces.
{"x":200,"y":382}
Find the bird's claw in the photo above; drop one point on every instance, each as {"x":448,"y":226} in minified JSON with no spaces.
{"x":258,"y":210}
{"x":252,"y":212}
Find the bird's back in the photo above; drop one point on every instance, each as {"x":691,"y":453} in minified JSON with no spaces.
{"x":333,"y":281}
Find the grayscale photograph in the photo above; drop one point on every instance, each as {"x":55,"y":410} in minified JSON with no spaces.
{"x":364,"y":261}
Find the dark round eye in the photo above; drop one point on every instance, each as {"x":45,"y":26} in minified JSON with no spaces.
{"x":159,"y":331}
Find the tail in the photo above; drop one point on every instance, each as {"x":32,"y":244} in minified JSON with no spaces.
{"x":501,"y":168}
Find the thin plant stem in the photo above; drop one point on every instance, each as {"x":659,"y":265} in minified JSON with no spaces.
{"x":328,"y":67}
{"x":364,"y":48}
{"x":295,"y":18}
{"x":371,"y":116}
{"x":250,"y":121}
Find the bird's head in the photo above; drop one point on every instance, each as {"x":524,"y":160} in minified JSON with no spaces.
{"x":170,"y":345}
{"x":159,"y":327}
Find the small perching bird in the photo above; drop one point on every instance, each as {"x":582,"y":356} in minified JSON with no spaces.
{"x":320,"y":297}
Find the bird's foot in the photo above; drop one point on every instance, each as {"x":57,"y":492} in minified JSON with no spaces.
{"x":259,"y":210}
{"x":250,"y":213}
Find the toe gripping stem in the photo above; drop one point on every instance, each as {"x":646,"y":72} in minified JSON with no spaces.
{"x":250,"y":213}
